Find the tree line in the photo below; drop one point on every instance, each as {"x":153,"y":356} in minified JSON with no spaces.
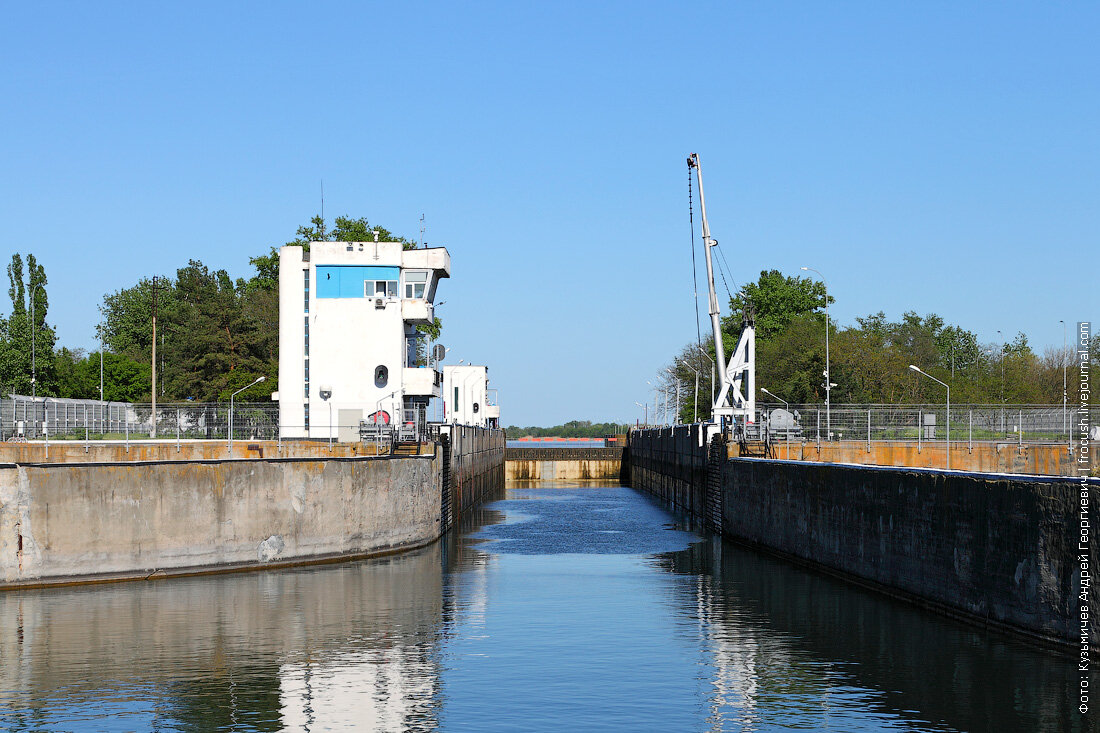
{"x":215,"y":334}
{"x":868,"y":360}
{"x":571,"y":429}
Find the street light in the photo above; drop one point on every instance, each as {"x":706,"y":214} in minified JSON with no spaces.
{"x":325,"y":392}
{"x":700,"y":350}
{"x":656,"y":400}
{"x":786,"y":405}
{"x":828,"y":382}
{"x":695,"y":405}
{"x":945,"y":384}
{"x":255,"y":381}
{"x":1065,"y":424}
{"x":34,"y":371}
{"x":1002,"y":380}
{"x":675,"y":415}
{"x":645,"y":412}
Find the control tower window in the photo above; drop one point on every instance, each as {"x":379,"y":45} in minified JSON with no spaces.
{"x":380,"y":288}
{"x":415,"y":284}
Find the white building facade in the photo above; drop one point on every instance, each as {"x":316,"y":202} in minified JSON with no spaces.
{"x":348,"y":345}
{"x":467,"y":399}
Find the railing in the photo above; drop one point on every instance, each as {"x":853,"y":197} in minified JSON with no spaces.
{"x":1020,"y":423}
{"x":68,"y":419}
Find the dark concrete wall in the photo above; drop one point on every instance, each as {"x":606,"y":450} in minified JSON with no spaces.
{"x":989,"y":548}
{"x":474,"y":459}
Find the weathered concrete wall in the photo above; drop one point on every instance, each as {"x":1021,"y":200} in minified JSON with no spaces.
{"x":70,"y":451}
{"x":563,"y":464}
{"x":65,"y":521}
{"x":990,"y":548}
{"x":1045,"y":459}
{"x":70,"y":519}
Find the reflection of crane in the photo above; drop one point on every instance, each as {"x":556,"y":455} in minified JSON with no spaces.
{"x":732,"y":402}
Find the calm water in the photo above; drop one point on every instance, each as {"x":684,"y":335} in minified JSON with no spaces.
{"x":558,"y":608}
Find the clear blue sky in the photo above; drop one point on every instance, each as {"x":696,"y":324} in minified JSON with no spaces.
{"x":935,"y":156}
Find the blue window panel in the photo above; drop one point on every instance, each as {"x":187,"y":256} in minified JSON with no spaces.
{"x":346,"y":281}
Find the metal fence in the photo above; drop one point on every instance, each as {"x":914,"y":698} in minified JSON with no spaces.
{"x":24,"y":417}
{"x":1020,"y":423}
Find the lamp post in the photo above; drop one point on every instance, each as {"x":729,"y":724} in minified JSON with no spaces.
{"x":948,"y":386}
{"x":645,"y":412}
{"x":326,"y":394}
{"x":695,"y":404}
{"x":34,"y":337}
{"x":700,"y":350}
{"x":656,"y":399}
{"x":1065,"y":425}
{"x":828,"y":378}
{"x":34,"y":370}
{"x":786,"y":405}
{"x":1002,"y":338}
{"x":255,"y":381}
{"x":676,"y":414}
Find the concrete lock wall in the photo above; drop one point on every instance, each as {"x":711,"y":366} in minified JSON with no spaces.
{"x":1045,"y":459}
{"x":475,"y":470}
{"x":77,"y":522}
{"x":72,"y":451}
{"x":995,"y":549}
{"x":563,"y":464}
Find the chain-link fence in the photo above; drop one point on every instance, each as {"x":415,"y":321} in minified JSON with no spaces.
{"x":24,"y":417}
{"x":1021,"y":423}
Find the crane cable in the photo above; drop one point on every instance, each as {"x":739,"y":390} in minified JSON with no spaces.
{"x":722,"y":271}
{"x":694,"y":267}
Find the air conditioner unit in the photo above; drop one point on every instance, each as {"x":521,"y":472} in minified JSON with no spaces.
{"x":379,"y":302}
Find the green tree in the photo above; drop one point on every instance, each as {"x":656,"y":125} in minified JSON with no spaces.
{"x":213,"y":344}
{"x":344,"y":229}
{"x":26,"y":340}
{"x":776,"y":299}
{"x":128,"y":315}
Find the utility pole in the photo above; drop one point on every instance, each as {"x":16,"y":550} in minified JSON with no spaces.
{"x":828,"y":377}
{"x":153,"y":428}
{"x":1065,"y":425}
{"x":34,"y":368}
{"x":1002,"y":380}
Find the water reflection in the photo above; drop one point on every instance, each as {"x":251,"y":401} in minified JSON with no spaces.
{"x":789,"y":640}
{"x":354,"y":644}
{"x":560,"y":607}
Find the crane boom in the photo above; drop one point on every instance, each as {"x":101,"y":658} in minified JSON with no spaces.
{"x":730,"y":401}
{"x":715,"y":312}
